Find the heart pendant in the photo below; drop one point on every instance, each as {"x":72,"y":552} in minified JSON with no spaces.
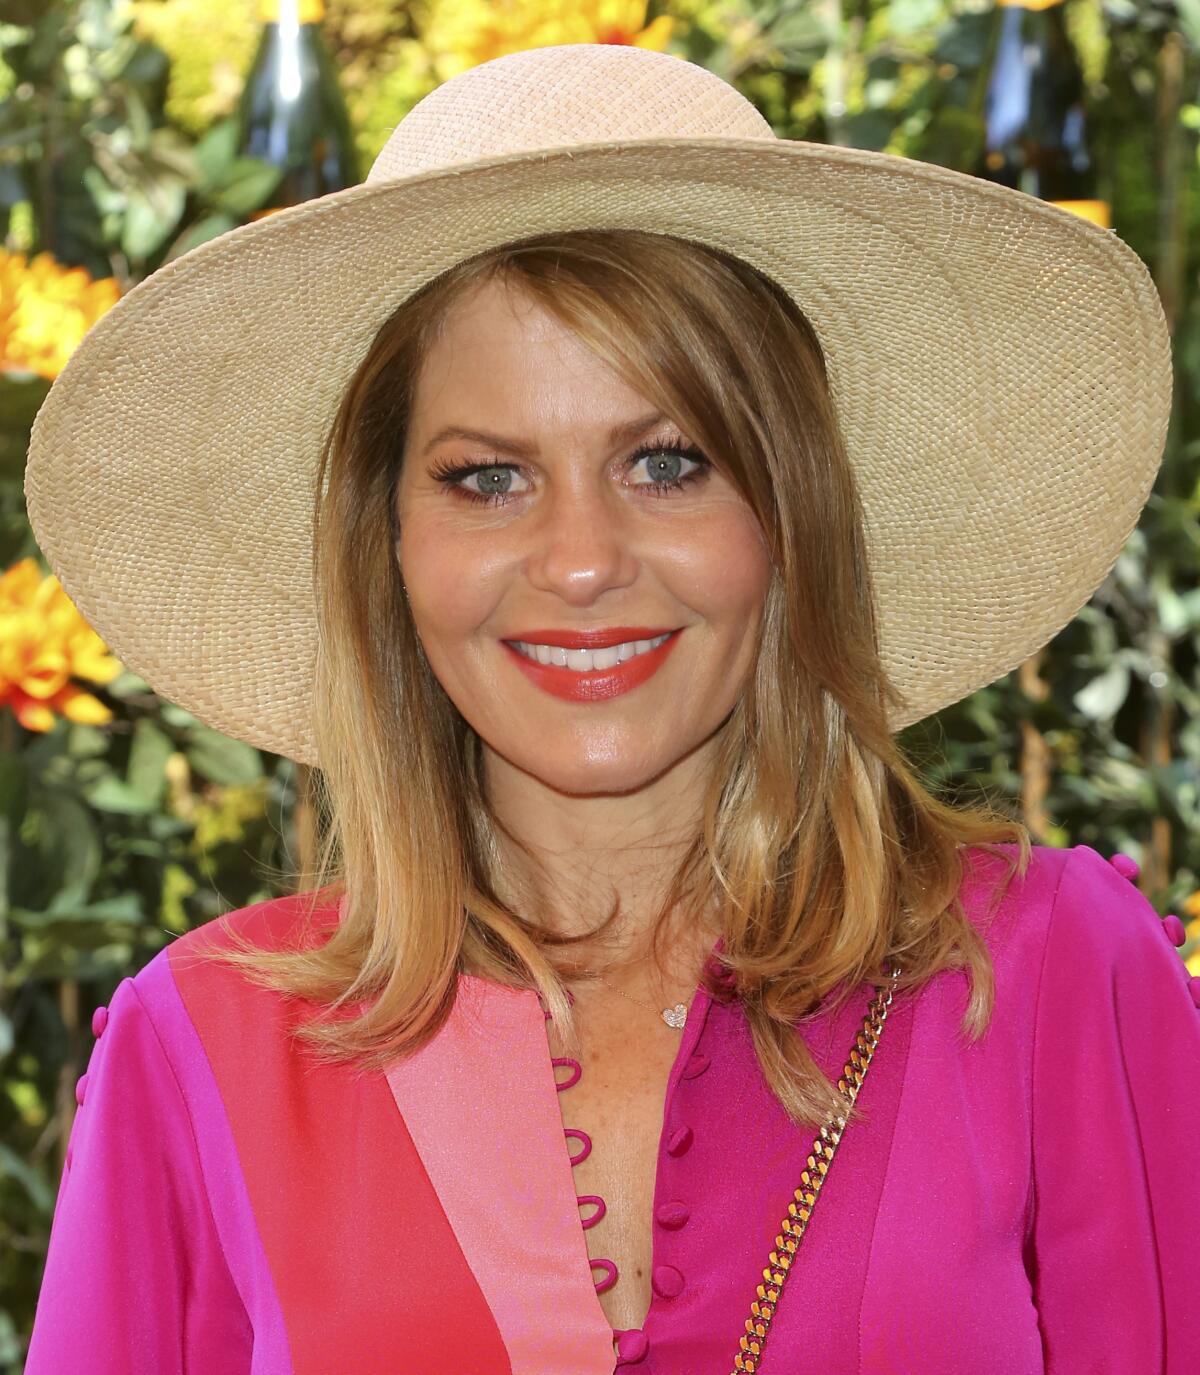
{"x":675,"y":1016}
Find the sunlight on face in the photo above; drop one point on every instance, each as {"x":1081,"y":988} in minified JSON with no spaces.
{"x":590,"y":611}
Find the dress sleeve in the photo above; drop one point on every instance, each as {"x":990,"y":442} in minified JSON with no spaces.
{"x":1115,"y":1234}
{"x":135,"y":1279}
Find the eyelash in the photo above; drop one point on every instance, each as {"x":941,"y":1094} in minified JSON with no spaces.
{"x":450,"y":475}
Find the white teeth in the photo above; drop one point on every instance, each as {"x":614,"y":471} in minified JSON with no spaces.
{"x":606,"y":658}
{"x":587,"y":660}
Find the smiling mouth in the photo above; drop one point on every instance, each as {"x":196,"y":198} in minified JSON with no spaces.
{"x":587,"y":660}
{"x":593,"y":665}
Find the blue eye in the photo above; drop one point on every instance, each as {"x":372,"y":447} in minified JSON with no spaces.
{"x":668,"y":466}
{"x":495,"y":480}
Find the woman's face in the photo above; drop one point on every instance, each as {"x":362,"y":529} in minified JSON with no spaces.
{"x":592,"y":613}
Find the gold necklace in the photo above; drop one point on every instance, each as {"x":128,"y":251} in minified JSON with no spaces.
{"x":673,"y":1016}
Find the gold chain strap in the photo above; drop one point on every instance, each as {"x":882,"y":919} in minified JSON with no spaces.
{"x":791,"y":1232}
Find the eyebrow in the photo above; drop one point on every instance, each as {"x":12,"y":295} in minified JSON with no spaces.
{"x":630,"y":429}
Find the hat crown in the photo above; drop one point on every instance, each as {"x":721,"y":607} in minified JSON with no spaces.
{"x":564,"y":94}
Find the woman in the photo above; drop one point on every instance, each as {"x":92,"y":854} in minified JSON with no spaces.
{"x":628,"y":890}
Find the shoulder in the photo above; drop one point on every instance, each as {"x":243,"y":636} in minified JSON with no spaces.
{"x":1107,"y":946}
{"x":1099,"y":909}
{"x":289,"y":922}
{"x":1074,"y":929}
{"x":1074,"y":892}
{"x":293,"y":920}
{"x":182,"y":990}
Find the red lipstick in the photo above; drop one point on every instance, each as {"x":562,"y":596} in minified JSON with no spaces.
{"x":593,"y":685}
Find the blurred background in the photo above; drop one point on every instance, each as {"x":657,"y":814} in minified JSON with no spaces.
{"x":133,"y":130}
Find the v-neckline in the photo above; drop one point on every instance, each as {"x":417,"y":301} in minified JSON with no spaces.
{"x":693,"y":1029}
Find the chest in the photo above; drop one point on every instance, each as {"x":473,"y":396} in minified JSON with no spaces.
{"x":433,"y":1211}
{"x":613,"y":1119}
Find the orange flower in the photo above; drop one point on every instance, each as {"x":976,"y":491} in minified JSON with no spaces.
{"x":45,"y":310}
{"x":44,"y":643}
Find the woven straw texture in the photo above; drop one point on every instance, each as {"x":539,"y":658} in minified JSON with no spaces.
{"x":1001,"y":369}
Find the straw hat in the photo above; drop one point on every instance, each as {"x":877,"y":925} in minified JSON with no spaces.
{"x":1001,"y":369}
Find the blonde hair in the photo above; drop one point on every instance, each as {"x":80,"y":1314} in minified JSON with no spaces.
{"x":823,"y":853}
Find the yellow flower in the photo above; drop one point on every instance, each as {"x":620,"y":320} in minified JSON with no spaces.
{"x":44,"y":643}
{"x":45,"y":310}
{"x":210,"y":48}
{"x":463,"y":33}
{"x":1191,"y":905}
{"x":223,"y":816}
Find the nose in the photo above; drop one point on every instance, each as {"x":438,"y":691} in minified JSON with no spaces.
{"x":580,"y":547}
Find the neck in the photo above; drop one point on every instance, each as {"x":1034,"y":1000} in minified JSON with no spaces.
{"x":571,"y":857}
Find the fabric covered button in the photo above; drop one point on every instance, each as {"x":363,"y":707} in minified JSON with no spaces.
{"x":601,"y":1209}
{"x":696,"y":1065}
{"x":631,"y":1346}
{"x":1175,"y":929}
{"x":679,"y":1140}
{"x":81,"y":1088}
{"x":666,"y":1281}
{"x":1194,"y":988}
{"x":1126,"y":866}
{"x":99,"y":1020}
{"x":575,"y":1066}
{"x":672,"y":1215}
{"x":610,"y":1275}
{"x":585,"y":1148}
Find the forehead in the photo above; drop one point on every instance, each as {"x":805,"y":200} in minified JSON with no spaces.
{"x":502,"y":353}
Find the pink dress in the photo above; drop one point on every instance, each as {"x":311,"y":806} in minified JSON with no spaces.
{"x":1019,"y":1205}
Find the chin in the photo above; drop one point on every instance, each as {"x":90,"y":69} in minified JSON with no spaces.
{"x":576,"y":771}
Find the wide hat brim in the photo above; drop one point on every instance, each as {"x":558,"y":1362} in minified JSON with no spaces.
{"x":1001,"y":369}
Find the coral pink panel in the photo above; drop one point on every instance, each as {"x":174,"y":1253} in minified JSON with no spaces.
{"x":370,"y":1274}
{"x":481,"y":1104}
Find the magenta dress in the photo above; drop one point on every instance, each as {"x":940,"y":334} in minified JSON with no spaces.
{"x":1024,"y":1204}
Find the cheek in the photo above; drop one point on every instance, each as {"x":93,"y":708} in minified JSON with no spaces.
{"x":448,"y":588}
{"x":723,"y":569}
